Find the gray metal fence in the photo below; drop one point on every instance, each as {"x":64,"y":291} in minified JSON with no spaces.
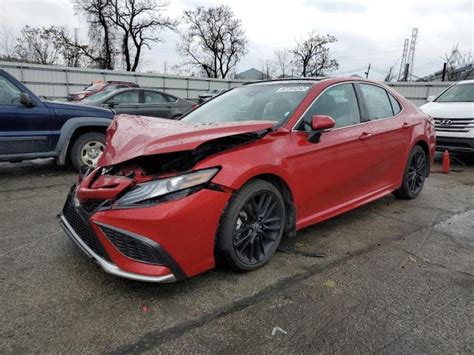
{"x":56,"y":82}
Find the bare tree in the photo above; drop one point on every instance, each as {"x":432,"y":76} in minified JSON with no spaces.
{"x":214,"y":40}
{"x":7,"y":43}
{"x":312,"y":55}
{"x":69,"y":50}
{"x":269,"y":69}
{"x":139,"y":22}
{"x":36,"y":45}
{"x":101,"y":49}
{"x":283,"y":61}
{"x":390,"y":74}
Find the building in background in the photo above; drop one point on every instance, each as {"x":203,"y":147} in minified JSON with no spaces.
{"x":252,"y":74}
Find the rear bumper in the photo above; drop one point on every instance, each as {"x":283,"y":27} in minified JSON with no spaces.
{"x":108,"y":266}
{"x":455,"y":144}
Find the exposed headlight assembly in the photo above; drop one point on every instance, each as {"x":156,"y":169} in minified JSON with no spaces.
{"x":158,"y":188}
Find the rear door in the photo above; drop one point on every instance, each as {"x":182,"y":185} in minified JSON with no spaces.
{"x":125,"y":102}
{"x":335,"y":171}
{"x":157,"y":104}
{"x":23,"y":129}
{"x":391,"y":133}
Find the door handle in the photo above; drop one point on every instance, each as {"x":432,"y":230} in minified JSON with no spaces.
{"x":364,"y":136}
{"x":406,"y":125}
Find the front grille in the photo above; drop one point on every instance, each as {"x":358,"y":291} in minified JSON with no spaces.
{"x":83,"y":229}
{"x":461,"y":125}
{"x":91,"y":206}
{"x":134,"y":247}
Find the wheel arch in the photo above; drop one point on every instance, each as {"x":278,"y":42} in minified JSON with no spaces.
{"x":73,"y":128}
{"x":286,"y":193}
{"x":281,"y":184}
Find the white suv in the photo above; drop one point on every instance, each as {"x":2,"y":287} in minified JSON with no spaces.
{"x":453,"y":112}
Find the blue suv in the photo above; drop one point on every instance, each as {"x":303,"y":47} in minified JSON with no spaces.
{"x":33,"y":128}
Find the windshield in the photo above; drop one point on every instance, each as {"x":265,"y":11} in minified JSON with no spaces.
{"x":95,"y":87}
{"x":269,"y":102}
{"x":458,"y":93}
{"x":97,"y":97}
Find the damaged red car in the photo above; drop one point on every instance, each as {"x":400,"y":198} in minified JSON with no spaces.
{"x":170,"y":199}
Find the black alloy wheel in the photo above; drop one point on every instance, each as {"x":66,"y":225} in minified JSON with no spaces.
{"x":415,"y":174}
{"x":257,"y":227}
{"x":252,"y":226}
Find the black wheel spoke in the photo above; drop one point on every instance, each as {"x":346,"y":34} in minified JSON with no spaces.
{"x":258,"y":226}
{"x":416,"y":173}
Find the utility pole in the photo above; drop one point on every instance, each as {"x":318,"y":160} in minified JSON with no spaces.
{"x":445,"y":67}
{"x":411,"y":51}
{"x":404,"y":59}
{"x":367,"y":72}
{"x":407,"y":70}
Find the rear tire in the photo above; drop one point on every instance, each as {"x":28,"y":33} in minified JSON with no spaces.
{"x":251,"y":227}
{"x":87,"y":149}
{"x":414,"y":176}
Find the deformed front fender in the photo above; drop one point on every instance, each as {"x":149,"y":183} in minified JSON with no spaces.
{"x":68,"y":129}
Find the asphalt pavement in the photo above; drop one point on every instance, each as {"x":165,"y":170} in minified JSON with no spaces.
{"x":394,"y":276}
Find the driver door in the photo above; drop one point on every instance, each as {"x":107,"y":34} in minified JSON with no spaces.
{"x":127,"y":102}
{"x":23,"y":129}
{"x":334,"y":172}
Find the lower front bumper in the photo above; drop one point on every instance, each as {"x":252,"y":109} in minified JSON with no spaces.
{"x":455,"y":144}
{"x":107,"y":266}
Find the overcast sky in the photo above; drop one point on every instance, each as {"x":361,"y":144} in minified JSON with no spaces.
{"x":368,"y":31}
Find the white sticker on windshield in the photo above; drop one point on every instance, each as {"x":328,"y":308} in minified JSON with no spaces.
{"x":293,"y":88}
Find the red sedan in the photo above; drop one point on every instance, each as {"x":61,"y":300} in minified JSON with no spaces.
{"x":171,"y":198}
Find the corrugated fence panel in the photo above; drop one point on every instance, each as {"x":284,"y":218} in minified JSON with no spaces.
{"x":56,"y":82}
{"x":418,"y":92}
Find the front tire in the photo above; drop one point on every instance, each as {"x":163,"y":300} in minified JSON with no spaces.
{"x":414,"y":176}
{"x":251,"y":227}
{"x":87,"y":149}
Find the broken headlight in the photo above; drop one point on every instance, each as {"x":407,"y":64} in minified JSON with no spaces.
{"x":151,"y":190}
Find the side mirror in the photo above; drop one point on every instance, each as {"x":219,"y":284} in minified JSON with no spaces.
{"x":111,"y":104}
{"x":25,"y":100}
{"x":431,"y":98}
{"x":318,"y":124}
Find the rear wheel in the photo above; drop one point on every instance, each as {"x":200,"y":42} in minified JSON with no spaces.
{"x":87,"y":149}
{"x":251,"y":227}
{"x":415,"y":174}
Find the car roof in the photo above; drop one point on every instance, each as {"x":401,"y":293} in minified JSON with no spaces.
{"x":315,"y":80}
{"x":120,"y":82}
{"x":462,"y":82}
{"x":287,"y":80}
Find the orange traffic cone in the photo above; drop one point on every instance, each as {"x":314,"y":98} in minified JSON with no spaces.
{"x":446,"y":162}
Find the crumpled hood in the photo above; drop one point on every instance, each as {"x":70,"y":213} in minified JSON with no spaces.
{"x":130,"y":136}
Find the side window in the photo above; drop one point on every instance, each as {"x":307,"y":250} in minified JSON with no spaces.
{"x":170,"y":98}
{"x":152,"y":97}
{"x":128,"y":97}
{"x":9,"y":93}
{"x":395,"y":105}
{"x":377,"y":101}
{"x":339,"y":102}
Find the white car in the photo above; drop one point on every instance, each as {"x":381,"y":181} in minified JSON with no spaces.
{"x":453,"y":112}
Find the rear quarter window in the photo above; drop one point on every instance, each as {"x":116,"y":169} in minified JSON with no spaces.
{"x":395,"y":105}
{"x":377,"y":101}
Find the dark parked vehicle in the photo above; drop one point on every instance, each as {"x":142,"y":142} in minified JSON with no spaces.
{"x":99,"y":87}
{"x":33,"y":128}
{"x":142,"y":102}
{"x":209,"y":95}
